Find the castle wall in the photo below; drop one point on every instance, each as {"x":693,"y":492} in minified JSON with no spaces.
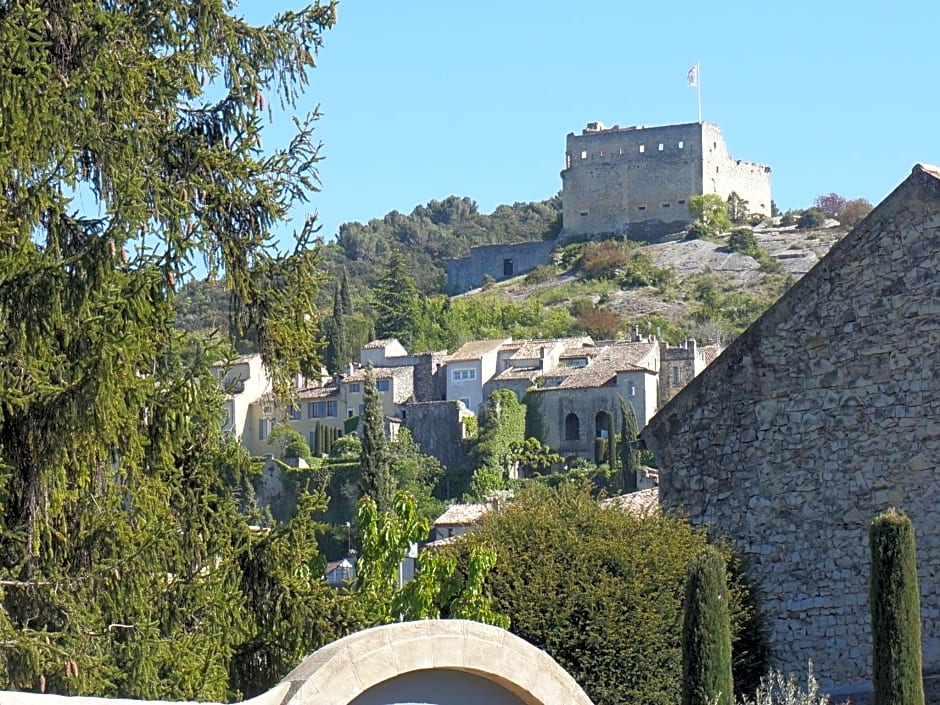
{"x":637,"y":181}
{"x":466,"y":273}
{"x":820,"y":416}
{"x":438,"y":429}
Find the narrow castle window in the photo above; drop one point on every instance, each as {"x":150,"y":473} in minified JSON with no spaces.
{"x":660,"y":146}
{"x":641,"y":208}
{"x":584,"y":154}
{"x":583,"y":213}
{"x":681,"y":201}
{"x":665,"y":205}
{"x":568,"y":160}
{"x":642,"y":148}
{"x":676,"y":375}
{"x":681,"y":144}
{"x":621,"y":151}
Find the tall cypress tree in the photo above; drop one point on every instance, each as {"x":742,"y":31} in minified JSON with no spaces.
{"x":706,"y":633}
{"x":345,"y":296}
{"x":629,"y":455}
{"x":337,"y":354}
{"x":897,"y":671}
{"x":374,"y":466}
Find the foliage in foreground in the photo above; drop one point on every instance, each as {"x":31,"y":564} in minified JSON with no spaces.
{"x":706,"y":633}
{"x":602,"y":591}
{"x":897,"y":671}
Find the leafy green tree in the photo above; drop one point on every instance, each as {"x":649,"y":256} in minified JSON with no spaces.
{"x":532,"y":457}
{"x":811,"y":218}
{"x":598,"y":588}
{"x":710,"y":214}
{"x":376,"y":479}
{"x":897,"y":671}
{"x":854,"y":211}
{"x":629,"y":455}
{"x":706,"y":633}
{"x":744,"y":241}
{"x":416,"y":473}
{"x":396,"y":302}
{"x":130,"y":149}
{"x":291,"y":443}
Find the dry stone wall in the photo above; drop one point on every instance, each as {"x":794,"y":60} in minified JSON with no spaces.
{"x":823,"y":414}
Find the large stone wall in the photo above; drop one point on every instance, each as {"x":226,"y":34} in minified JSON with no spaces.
{"x":823,"y":414}
{"x":637,"y":180}
{"x":497,"y":261}
{"x":438,"y":429}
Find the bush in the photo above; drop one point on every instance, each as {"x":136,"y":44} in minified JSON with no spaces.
{"x":540,"y":274}
{"x":777,"y":689}
{"x":602,"y":260}
{"x":810,"y":219}
{"x":854,"y":211}
{"x":742,"y":240}
{"x":640,"y":271}
{"x":601,"y":591}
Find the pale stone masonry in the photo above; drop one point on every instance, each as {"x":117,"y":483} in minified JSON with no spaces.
{"x":824,"y":413}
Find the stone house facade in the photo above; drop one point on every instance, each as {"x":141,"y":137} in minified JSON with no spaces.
{"x":824,"y":413}
{"x":637,"y":181}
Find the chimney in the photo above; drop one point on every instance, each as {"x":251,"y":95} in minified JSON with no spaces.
{"x":635,"y":334}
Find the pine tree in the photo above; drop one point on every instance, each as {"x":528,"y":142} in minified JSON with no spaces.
{"x":396,"y":302}
{"x":375,"y":474}
{"x":629,"y":456}
{"x":706,"y":633}
{"x":897,"y":671}
{"x":122,"y":555}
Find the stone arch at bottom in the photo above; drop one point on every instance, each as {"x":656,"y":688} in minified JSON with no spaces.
{"x":390,"y":664}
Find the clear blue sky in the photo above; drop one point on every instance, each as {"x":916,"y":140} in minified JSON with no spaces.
{"x":422,"y":99}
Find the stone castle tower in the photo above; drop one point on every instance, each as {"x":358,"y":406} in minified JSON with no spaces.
{"x":638,"y":180}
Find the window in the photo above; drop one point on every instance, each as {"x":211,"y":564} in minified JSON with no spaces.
{"x":320,"y":409}
{"x":641,"y":208}
{"x":383,"y":385}
{"x":355,"y":388}
{"x":262,"y":429}
{"x":583,"y":213}
{"x":568,"y":160}
{"x":572,"y":428}
{"x":350,"y":413}
{"x":602,"y":425}
{"x":681,"y":144}
{"x":295,"y":413}
{"x":583,"y":154}
{"x":462,"y":375}
{"x":660,"y":146}
{"x":508,"y":267}
{"x":642,"y":148}
{"x":681,"y":201}
{"x":620,"y":151}
{"x":676,"y":375}
{"x":666,"y":205}
{"x":631,"y":389}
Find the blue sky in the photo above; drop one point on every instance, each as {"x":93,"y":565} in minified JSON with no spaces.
{"x":424,"y":99}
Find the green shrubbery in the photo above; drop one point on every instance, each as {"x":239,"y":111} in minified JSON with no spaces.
{"x":601,"y":591}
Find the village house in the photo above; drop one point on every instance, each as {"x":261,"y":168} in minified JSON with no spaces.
{"x":823,"y":414}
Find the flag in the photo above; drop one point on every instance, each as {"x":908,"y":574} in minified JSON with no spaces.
{"x":693,"y":76}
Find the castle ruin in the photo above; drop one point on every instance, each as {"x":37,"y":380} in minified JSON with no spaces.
{"x":637,"y":181}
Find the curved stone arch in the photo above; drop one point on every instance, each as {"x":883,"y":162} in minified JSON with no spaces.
{"x":339,"y":672}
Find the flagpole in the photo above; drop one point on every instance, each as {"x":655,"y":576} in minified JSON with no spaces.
{"x":698,"y":76}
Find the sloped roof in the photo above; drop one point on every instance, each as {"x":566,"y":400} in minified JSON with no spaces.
{"x":359,"y":375}
{"x":463,"y":514}
{"x":606,"y":362}
{"x":639,"y":503}
{"x":476,"y":349}
{"x":380,"y":343}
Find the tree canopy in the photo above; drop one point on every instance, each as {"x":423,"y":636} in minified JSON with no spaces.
{"x":131,"y":151}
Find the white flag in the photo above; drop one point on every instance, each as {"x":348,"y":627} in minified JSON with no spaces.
{"x":693,"y":76}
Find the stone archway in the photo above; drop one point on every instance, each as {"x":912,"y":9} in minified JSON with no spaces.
{"x":429,"y":650}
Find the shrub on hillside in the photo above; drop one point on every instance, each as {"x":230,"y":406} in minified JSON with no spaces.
{"x":540,"y":274}
{"x":742,"y":240}
{"x":854,"y":211}
{"x":601,"y":590}
{"x":602,"y":260}
{"x":810,"y":219}
{"x":599,"y":323}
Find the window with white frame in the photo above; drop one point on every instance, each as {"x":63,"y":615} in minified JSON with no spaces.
{"x":383,"y":385}
{"x":463,"y":375}
{"x":355,"y":387}
{"x":321,"y":409}
{"x":262,"y":429}
{"x":631,"y":389}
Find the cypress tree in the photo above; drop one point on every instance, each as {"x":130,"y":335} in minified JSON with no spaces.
{"x":375,"y":473}
{"x":345,"y":296}
{"x":629,"y":456}
{"x":706,"y":633}
{"x":337,"y":354}
{"x":897,"y":671}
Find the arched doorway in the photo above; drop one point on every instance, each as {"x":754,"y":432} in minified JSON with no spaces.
{"x":572,"y":428}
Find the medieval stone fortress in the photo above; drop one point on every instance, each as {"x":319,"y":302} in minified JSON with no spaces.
{"x":626,"y":181}
{"x":636,"y":181}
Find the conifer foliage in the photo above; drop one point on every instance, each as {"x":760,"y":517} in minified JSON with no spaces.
{"x":706,"y":633}
{"x":377,"y":481}
{"x":897,"y":671}
{"x":130,"y":149}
